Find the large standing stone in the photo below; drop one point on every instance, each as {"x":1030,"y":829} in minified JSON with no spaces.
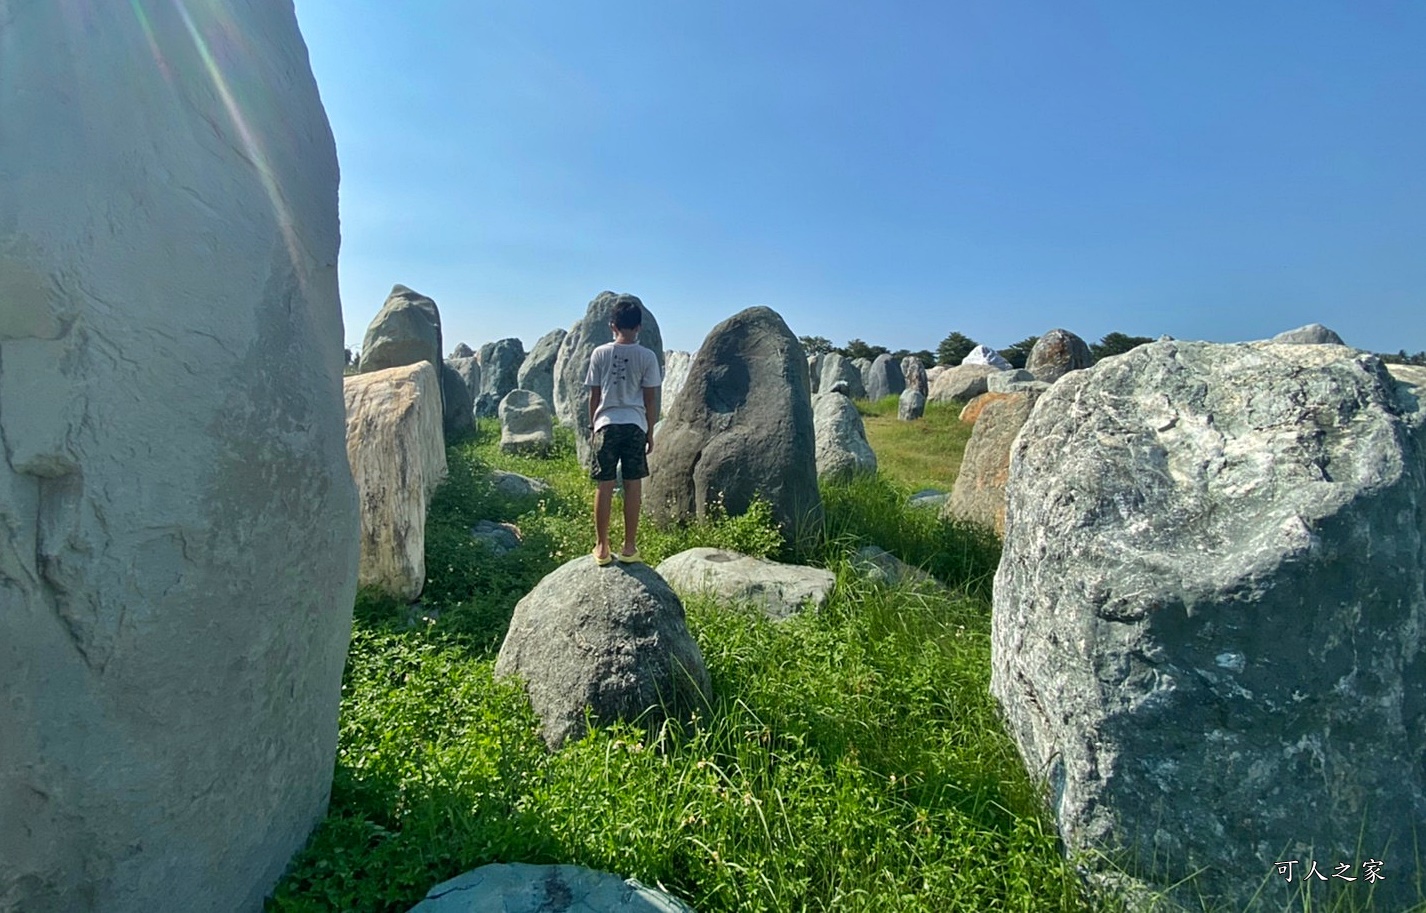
{"x":913,"y":374}
{"x":741,"y":429}
{"x":1057,"y":353}
{"x":612,"y":639}
{"x":911,"y":405}
{"x":537,"y":372}
{"x":457,"y":408}
{"x":518,"y":887}
{"x":979,"y":492}
{"x":842,"y":448}
{"x":469,"y":371}
{"x":500,"y":363}
{"x":462,"y":351}
{"x":777,"y":590}
{"x":839,"y":369}
{"x":814,"y":372}
{"x":1208,"y":615}
{"x":526,"y":423}
{"x":1311,"y":334}
{"x":863,"y":366}
{"x":178,"y":525}
{"x":884,"y":378}
{"x":963,"y":382}
{"x":398,"y":457}
{"x":406,"y":330}
{"x":572,"y":363}
{"x":675,"y":375}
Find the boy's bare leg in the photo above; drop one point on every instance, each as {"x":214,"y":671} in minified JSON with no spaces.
{"x":603,"y":507}
{"x":633,"y":498}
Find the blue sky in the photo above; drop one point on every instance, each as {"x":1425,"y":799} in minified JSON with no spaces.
{"x":888,"y":171}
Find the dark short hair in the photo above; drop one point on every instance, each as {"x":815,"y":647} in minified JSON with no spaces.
{"x":627,"y":316}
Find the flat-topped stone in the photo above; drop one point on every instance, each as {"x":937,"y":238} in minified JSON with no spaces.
{"x":779,"y":590}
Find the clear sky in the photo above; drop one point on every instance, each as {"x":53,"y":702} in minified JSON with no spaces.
{"x":1209,"y":169}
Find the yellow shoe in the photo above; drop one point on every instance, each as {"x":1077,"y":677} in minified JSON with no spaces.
{"x":629,"y":559}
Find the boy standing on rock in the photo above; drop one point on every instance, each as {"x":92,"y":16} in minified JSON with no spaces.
{"x":623,"y":382}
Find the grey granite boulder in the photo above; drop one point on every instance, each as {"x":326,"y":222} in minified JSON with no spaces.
{"x":526,"y":423}
{"x":842,"y":448}
{"x":1057,"y":353}
{"x":884,"y":378}
{"x":610,"y":639}
{"x":406,"y":330}
{"x":500,"y":538}
{"x":178,"y":522}
{"x":537,"y":371}
{"x":500,"y":363}
{"x":461,"y":351}
{"x":741,"y":429}
{"x":1207,"y":620}
{"x":458,"y":410}
{"x":469,"y":371}
{"x":979,"y":493}
{"x":913,"y":374}
{"x":572,"y":364}
{"x":911,"y":405}
{"x":516,"y":486}
{"x":777,"y":590}
{"x":963,"y":383}
{"x":863,"y":366}
{"x":814,"y":372}
{"x":1012,"y":381}
{"x":876,"y":563}
{"x":1311,"y":334}
{"x":839,"y":369}
{"x":518,"y":887}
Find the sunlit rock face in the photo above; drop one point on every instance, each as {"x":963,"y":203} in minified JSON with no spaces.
{"x":178,"y":526}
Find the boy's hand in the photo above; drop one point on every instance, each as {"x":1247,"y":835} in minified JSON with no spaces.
{"x":649,"y":444}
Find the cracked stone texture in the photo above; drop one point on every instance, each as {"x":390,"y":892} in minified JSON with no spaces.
{"x":522,"y":888}
{"x":537,"y":371}
{"x":779,"y":590}
{"x":742,"y":428}
{"x":979,"y":492}
{"x":1208,"y":615}
{"x":572,"y":364}
{"x":913,"y":374}
{"x":178,"y":526}
{"x":842,"y":448}
{"x":612,"y":639}
{"x":1057,"y":353}
{"x":884,"y":378}
{"x":398,"y":457}
{"x":837,"y":368}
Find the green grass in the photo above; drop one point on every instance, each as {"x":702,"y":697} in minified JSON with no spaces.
{"x":922,"y":454}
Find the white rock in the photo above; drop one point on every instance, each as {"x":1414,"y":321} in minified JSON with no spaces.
{"x":526,"y":423}
{"x":779,"y":590}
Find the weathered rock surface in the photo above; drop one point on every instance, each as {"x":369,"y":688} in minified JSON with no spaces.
{"x":178,"y":526}
{"x":778,"y":590}
{"x":1012,"y":381}
{"x":863,"y":366}
{"x":985,"y":355}
{"x":839,"y":369}
{"x":500,"y":363}
{"x":514,"y":485}
{"x":884,"y":378}
{"x":612,"y":639}
{"x":1057,"y":353}
{"x":742,"y":428}
{"x":398,"y":457}
{"x":814,"y":372}
{"x":1311,"y":334}
{"x":469,"y":371}
{"x":572,"y":364}
{"x":675,"y":375}
{"x":928,"y":498}
{"x":521,"y":888}
{"x":932,"y":373}
{"x":526,"y":423}
{"x":406,"y":330}
{"x":461,"y":351}
{"x":842,"y":448}
{"x":979,"y":492}
{"x":911,"y":405}
{"x":500,"y":538}
{"x":913,"y":374}
{"x":963,"y":382}
{"x":1209,"y":612}
{"x":537,"y":371}
{"x":458,"y":410}
{"x":882,"y":566}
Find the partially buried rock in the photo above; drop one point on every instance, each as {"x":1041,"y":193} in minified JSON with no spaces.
{"x":963,"y":382}
{"x":526,"y":423}
{"x":500,"y":538}
{"x":537,"y":371}
{"x":521,"y":888}
{"x":1311,"y":334}
{"x":778,"y":590}
{"x":877,"y":564}
{"x":405,"y":331}
{"x":979,"y":493}
{"x":398,"y":457}
{"x":842,"y":448}
{"x":612,"y":640}
{"x":518,"y":487}
{"x":741,"y":429}
{"x":884,"y":378}
{"x":911,"y":405}
{"x":1056,"y":354}
{"x":1207,"y":620}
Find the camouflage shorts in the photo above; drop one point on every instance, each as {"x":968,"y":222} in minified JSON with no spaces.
{"x":616,"y":447}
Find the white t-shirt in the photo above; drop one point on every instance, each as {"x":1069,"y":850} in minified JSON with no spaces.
{"x":621,"y":372}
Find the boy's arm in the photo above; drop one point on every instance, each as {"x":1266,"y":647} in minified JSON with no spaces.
{"x":594,"y":396}
{"x":651,"y":412}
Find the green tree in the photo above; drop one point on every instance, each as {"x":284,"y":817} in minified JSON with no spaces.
{"x":858,"y":349}
{"x":815,"y":345}
{"x":1018,"y":353}
{"x":953,"y":349}
{"x":1116,"y":344}
{"x":1401,"y":358}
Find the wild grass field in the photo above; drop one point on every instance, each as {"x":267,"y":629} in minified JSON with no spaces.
{"x":852,"y":759}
